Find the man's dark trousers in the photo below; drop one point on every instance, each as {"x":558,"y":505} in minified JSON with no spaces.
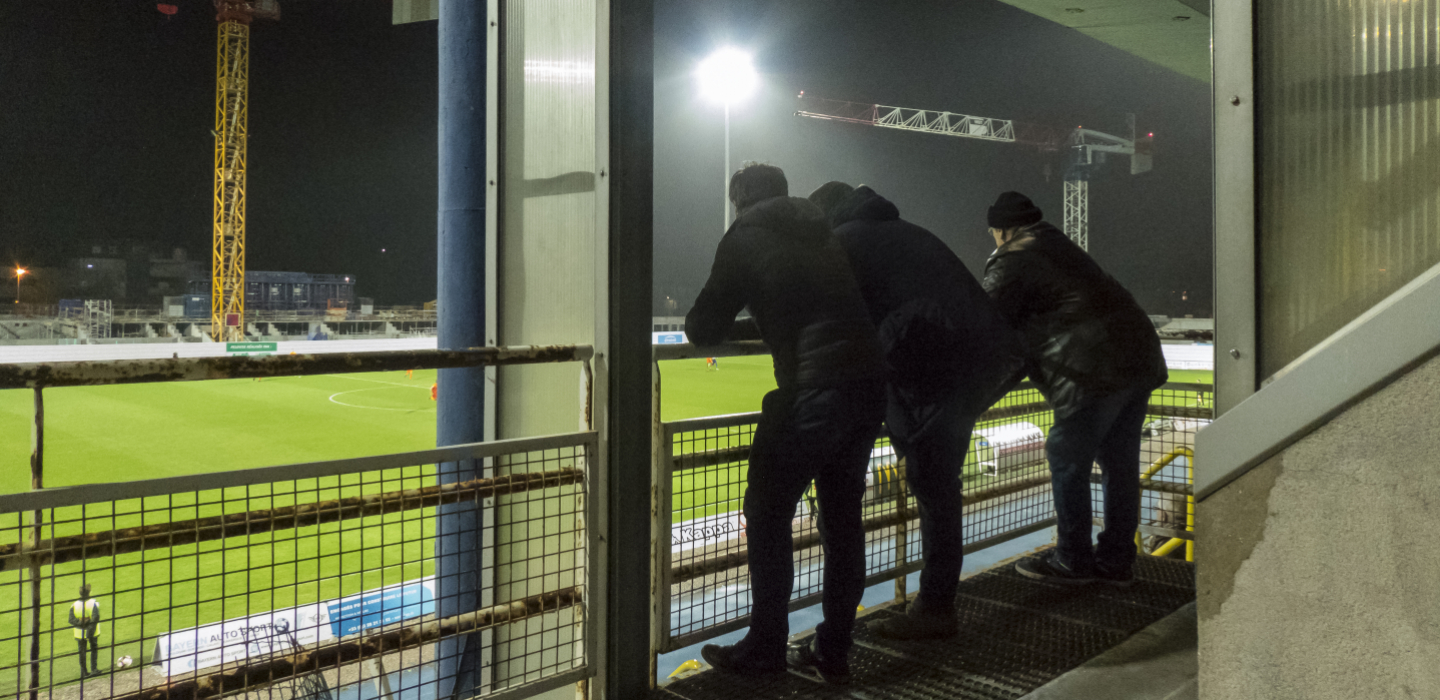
{"x":93,"y":643}
{"x":1103,"y":428}
{"x":804,"y":434}
{"x":934,"y":438}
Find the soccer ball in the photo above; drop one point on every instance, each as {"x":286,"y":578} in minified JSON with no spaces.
{"x":124,"y":662}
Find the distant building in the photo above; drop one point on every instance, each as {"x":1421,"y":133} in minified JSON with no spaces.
{"x":292,"y":291}
{"x":131,"y":272}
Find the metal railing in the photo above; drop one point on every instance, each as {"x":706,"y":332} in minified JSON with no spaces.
{"x":303,"y":577}
{"x":700,"y":465}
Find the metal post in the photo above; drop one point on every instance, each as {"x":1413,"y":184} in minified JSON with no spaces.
{"x":1190,"y":507}
{"x":631,"y":119}
{"x":660,"y":528}
{"x":376,"y":667}
{"x":902,"y":512}
{"x":726,"y":189}
{"x":461,"y":318}
{"x":37,"y":482}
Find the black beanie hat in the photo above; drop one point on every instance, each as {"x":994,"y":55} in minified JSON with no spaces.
{"x":1013,"y":209}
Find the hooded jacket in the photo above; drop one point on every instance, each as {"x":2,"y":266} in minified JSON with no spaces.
{"x":940,"y":333}
{"x":780,"y":259}
{"x":1083,"y":332}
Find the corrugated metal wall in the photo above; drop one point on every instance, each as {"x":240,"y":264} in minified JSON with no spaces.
{"x":547,"y":272}
{"x":547,"y":214}
{"x":1349,"y":162}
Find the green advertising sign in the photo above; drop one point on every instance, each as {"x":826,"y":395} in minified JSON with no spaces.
{"x":249,"y":348}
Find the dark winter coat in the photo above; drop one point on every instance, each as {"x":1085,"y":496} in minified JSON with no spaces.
{"x":780,"y":259}
{"x":939,"y":331}
{"x":1083,"y":332}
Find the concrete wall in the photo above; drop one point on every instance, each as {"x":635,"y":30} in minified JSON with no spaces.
{"x":1318,"y":574}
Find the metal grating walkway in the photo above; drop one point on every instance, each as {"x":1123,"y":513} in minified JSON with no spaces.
{"x":1016,"y":635}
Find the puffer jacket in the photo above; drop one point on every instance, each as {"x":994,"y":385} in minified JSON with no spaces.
{"x":1083,"y":332}
{"x":940,"y":333}
{"x":781,"y":260}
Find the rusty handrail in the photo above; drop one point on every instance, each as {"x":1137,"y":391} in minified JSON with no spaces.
{"x":183,"y":532}
{"x":56,"y":374}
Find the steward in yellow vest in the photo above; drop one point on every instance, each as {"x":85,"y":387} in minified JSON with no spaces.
{"x":85,"y":619}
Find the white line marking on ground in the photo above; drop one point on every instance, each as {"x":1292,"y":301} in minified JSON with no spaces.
{"x":374,"y":408}
{"x":377,"y":381}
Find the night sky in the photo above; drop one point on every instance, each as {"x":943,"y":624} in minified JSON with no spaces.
{"x":106,"y":111}
{"x":1152,"y":232}
{"x":106,"y":108}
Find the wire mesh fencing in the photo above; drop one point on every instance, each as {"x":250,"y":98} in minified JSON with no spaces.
{"x":702,"y":466}
{"x":1167,"y":461}
{"x":306,"y":580}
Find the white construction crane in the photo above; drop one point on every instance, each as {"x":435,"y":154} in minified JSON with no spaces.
{"x":1088,"y":148}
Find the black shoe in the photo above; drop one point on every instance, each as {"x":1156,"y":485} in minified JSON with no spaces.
{"x":802,"y":657}
{"x":731,"y":659}
{"x":1048,"y":568}
{"x":915,"y":624}
{"x":1117,"y":578}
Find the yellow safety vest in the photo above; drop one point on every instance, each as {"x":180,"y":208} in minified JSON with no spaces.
{"x":82,"y":610}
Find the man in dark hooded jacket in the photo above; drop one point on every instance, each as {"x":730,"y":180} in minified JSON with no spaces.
{"x":780,"y":259}
{"x":1096,"y":358}
{"x":947,"y":351}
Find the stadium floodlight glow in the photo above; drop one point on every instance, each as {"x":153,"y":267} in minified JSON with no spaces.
{"x":19,"y":272}
{"x":727,"y":76}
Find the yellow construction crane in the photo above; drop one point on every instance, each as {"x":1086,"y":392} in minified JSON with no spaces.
{"x":232,"y":92}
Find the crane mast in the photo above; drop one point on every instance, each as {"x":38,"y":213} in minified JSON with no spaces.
{"x":227,"y":259}
{"x":232,"y":102}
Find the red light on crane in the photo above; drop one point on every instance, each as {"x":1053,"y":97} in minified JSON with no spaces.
{"x":167,"y":9}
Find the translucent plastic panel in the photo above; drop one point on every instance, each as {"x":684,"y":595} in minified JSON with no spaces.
{"x":1349,"y":162}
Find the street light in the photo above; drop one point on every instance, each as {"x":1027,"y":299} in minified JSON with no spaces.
{"x":727,"y":76}
{"x":19,"y":272}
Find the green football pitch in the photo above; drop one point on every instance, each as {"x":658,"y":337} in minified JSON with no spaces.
{"x":121,"y":433}
{"x":142,"y":431}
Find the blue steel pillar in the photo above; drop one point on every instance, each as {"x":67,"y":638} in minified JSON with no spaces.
{"x":461,"y":306}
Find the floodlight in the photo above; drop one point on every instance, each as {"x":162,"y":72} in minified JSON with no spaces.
{"x":727,"y":76}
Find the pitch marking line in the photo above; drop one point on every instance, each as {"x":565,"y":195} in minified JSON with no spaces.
{"x":374,"y":408}
{"x":377,"y":381}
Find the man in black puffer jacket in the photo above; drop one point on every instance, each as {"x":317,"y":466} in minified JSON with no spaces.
{"x":781,"y":260}
{"x":947,"y":351}
{"x":1096,"y":358}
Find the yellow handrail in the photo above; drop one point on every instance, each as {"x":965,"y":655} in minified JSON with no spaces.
{"x":1176,"y":542}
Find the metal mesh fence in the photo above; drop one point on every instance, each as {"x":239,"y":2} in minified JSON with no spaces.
{"x":1167,"y":456}
{"x":1006,"y":482}
{"x":302,"y":581}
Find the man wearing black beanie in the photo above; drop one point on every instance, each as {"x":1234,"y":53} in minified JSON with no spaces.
{"x":1096,"y":357}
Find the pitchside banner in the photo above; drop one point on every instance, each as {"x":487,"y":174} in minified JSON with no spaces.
{"x":381,"y":607}
{"x":241,"y":638}
{"x":281,"y":631}
{"x":258,"y":349}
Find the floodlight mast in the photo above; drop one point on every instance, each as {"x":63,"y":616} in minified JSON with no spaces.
{"x":1088,"y":147}
{"x":727,"y":76}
